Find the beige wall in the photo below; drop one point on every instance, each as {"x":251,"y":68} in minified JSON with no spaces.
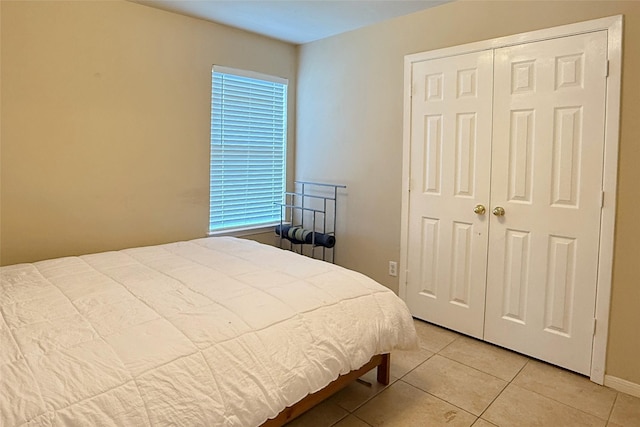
{"x":350,"y":131}
{"x":105,"y":123}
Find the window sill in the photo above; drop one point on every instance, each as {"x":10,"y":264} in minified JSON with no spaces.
{"x":246,"y":231}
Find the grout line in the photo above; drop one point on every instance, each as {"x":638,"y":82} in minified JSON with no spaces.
{"x":344,"y":417}
{"x":376,"y":394}
{"x":418,"y":365}
{"x":360,"y":419}
{"x":613,"y":406}
{"x":442,"y":400}
{"x":505,"y":387}
{"x":499,"y":394}
{"x":520,"y":370}
{"x":456,"y":405}
{"x":475,"y":369}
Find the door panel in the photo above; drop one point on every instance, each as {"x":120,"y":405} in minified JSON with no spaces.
{"x":548,"y":142}
{"x":450,"y":172}
{"x":516,"y":272}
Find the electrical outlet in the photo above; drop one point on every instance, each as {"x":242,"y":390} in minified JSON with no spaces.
{"x":393,"y":268}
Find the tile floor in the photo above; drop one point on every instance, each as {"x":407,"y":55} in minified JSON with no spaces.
{"x":454,"y":380}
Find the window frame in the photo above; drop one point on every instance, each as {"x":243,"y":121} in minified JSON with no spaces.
{"x":262,"y":226}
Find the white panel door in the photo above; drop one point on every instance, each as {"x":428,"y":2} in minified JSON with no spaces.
{"x":547,"y":164}
{"x":450,"y":172}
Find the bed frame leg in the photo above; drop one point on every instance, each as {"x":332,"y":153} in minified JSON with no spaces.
{"x":381,"y":361}
{"x":384,"y":369}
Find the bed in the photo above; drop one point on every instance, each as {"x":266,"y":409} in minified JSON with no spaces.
{"x":216,"y":331}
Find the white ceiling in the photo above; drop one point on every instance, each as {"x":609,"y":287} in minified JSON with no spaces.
{"x":294,"y":21}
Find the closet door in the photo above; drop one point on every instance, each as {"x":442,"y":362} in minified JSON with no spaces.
{"x":449,"y":177}
{"x":547,"y":164}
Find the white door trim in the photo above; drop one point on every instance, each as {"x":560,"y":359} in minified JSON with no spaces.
{"x":613,"y":25}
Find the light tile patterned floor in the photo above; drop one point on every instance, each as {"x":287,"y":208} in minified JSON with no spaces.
{"x":455,"y":380}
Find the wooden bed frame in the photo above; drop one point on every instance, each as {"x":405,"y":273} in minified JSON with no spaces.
{"x":381,"y":361}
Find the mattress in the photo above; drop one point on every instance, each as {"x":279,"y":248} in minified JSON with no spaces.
{"x":216,"y":331}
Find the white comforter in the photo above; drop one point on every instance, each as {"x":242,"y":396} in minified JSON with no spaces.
{"x":211,"y":332}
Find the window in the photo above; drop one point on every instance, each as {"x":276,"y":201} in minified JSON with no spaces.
{"x":248,"y":149}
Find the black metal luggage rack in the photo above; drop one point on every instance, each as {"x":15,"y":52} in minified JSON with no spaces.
{"x":308,"y":219}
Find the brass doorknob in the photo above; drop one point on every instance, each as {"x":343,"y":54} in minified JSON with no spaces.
{"x":479,"y":209}
{"x":498,"y":211}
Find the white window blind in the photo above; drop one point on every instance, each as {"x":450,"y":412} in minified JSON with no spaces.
{"x":248,"y":148}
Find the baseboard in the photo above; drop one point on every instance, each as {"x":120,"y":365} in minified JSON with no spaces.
{"x":622,"y":385}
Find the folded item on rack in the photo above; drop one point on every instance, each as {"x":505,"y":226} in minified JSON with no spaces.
{"x":300,"y":235}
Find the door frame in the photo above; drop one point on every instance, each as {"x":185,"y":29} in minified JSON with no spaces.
{"x":613,"y":26}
